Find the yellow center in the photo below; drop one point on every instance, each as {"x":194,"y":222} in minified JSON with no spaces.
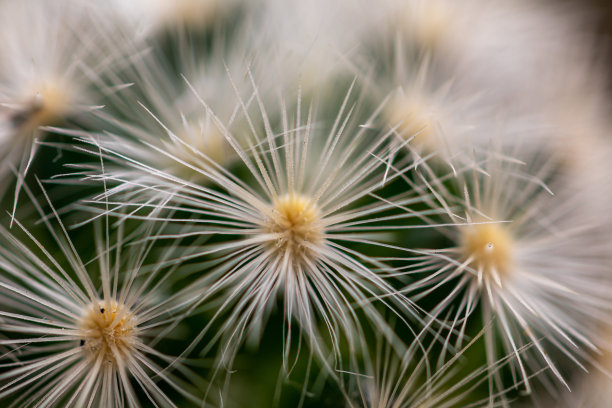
{"x":428,"y":23}
{"x":210,"y":142}
{"x":108,"y":330}
{"x":489,"y":249}
{"x":413,"y":118}
{"x":46,"y":105}
{"x":194,"y":14}
{"x":296,"y":223}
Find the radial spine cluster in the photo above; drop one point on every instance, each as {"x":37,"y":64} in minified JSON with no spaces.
{"x":280,"y":204}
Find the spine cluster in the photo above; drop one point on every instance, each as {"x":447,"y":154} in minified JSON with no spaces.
{"x":231,"y":203}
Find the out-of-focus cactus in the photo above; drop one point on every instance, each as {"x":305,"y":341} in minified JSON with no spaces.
{"x":271,"y":203}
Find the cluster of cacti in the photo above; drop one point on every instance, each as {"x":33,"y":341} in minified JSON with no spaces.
{"x":233,"y":203}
